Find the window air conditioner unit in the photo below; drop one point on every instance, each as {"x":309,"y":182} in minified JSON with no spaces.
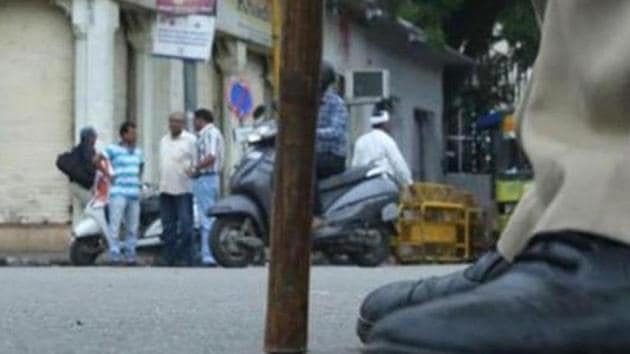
{"x":367,"y":85}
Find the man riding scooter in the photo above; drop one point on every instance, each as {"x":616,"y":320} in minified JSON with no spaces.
{"x":357,"y":208}
{"x":331,"y":145}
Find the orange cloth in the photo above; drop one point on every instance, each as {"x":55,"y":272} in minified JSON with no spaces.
{"x":102,"y":184}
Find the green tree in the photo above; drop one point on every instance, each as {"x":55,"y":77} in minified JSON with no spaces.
{"x":473,"y":27}
{"x":469,"y":25}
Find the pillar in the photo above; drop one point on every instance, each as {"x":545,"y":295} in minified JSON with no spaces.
{"x":232,"y":60}
{"x":140,"y":38}
{"x":95,"y":24}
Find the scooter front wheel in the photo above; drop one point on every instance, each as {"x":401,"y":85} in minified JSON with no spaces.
{"x":226,"y":236}
{"x":376,"y":254}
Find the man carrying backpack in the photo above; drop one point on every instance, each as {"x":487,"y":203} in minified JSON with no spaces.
{"x":78,"y":165}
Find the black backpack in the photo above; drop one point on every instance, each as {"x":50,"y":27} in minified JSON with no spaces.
{"x":77,"y":170}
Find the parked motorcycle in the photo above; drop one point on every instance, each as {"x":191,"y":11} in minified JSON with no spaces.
{"x":89,"y":235}
{"x":359,"y":206}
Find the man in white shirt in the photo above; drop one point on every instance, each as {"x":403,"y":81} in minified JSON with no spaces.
{"x":177,"y":161}
{"x":379,"y":148}
{"x":207,"y":172}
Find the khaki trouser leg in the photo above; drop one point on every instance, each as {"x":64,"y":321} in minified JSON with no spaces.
{"x":81,"y":198}
{"x":575,"y":125}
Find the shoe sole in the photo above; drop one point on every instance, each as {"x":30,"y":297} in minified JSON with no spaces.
{"x":390,"y":348}
{"x":363,"y":329}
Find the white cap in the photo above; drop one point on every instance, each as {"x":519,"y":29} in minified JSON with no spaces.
{"x":379,"y":118}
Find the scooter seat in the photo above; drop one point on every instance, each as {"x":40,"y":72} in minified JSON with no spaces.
{"x":349,"y":177}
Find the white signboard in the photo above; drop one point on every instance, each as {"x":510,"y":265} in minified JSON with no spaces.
{"x":184,"y":37}
{"x":183,"y":7}
{"x":246,"y":19}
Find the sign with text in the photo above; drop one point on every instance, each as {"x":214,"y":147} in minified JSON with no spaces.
{"x":184,"y":37}
{"x":246,"y":19}
{"x":182,"y":7}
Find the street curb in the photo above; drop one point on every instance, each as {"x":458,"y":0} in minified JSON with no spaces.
{"x":33,"y":259}
{"x":32,"y":262}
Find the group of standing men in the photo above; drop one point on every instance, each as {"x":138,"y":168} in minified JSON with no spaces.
{"x":189,"y":174}
{"x":189,"y":171}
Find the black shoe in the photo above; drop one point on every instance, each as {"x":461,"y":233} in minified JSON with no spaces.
{"x":568,"y":293}
{"x":401,"y":294}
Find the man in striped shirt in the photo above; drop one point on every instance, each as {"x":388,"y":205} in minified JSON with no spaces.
{"x":208,"y":166}
{"x":124,"y":202}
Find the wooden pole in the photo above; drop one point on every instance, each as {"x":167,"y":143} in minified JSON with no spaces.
{"x":276,"y":33}
{"x":287,"y":299}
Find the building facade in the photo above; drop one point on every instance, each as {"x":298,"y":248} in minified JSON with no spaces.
{"x":353,"y":41}
{"x":67,"y":64}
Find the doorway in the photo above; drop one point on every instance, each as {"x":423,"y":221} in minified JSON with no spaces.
{"x":424,"y":125}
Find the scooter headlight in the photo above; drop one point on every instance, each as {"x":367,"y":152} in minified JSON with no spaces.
{"x":390,"y":213}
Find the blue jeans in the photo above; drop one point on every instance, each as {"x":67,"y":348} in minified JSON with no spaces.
{"x":176,"y":212}
{"x":206,"y":190}
{"x":127,"y":210}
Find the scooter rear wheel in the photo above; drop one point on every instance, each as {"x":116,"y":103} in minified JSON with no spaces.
{"x":225,"y":248}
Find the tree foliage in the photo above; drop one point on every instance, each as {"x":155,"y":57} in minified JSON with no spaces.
{"x":469,"y":25}
{"x":474,"y":27}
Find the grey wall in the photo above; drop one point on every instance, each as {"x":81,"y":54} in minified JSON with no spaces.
{"x":479,"y":185}
{"x":416,"y":83}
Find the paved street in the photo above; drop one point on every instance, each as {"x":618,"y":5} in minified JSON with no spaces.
{"x":157,"y":310}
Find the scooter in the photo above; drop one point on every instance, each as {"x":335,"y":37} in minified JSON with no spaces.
{"x":89,"y":235}
{"x":360,"y":208}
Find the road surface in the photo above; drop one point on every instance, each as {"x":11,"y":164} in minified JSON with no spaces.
{"x":174,"y":310}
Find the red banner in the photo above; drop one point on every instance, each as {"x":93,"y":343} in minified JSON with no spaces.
{"x":186,"y":7}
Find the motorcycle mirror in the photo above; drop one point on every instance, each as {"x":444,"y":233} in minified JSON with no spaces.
{"x":259,"y":111}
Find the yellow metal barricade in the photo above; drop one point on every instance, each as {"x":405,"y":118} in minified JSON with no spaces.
{"x":437,"y":224}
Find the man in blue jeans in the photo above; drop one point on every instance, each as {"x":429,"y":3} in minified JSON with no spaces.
{"x":206,"y":186}
{"x":177,"y":159}
{"x":124,"y":196}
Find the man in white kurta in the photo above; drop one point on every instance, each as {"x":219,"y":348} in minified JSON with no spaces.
{"x":379,"y":149}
